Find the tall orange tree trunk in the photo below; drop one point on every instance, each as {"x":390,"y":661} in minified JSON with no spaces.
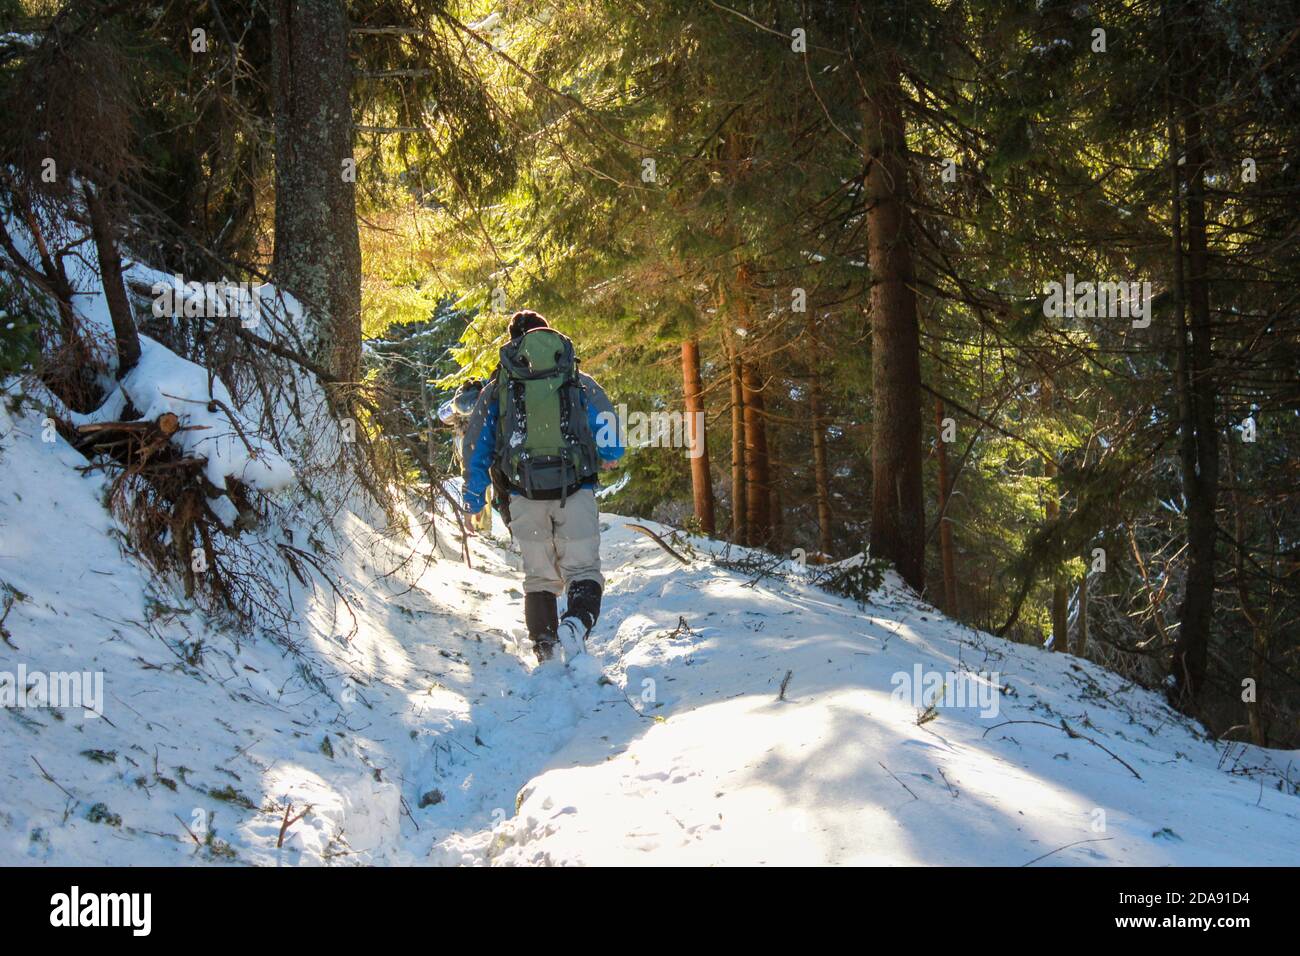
{"x":692,"y":390}
{"x":897,"y":496}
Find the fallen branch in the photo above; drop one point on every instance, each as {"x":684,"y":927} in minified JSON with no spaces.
{"x":197,"y":841}
{"x":628,"y":700}
{"x":1071,"y":732}
{"x":167,"y":423}
{"x":406,"y":808}
{"x":46,"y":774}
{"x":947,"y":781}
{"x":136,"y":444}
{"x":900,"y":783}
{"x":1066,"y":847}
{"x":658,"y":540}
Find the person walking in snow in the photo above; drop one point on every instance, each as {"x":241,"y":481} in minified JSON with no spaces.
{"x":540,"y":433}
{"x":455,"y":413}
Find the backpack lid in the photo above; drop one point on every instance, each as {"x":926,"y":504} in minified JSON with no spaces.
{"x":538,"y":353}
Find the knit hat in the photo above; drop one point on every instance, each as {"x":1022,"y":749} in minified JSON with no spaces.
{"x":526,"y":321}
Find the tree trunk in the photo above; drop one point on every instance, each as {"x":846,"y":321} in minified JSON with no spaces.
{"x":1199,"y":443}
{"x":1060,"y":596}
{"x":758,"y":500}
{"x":125,"y":337}
{"x":1256,"y":714}
{"x":1052,"y":511}
{"x":1081,"y":623}
{"x":821,"y":468}
{"x":56,"y":277}
{"x":317,"y":250}
{"x":897,"y":497}
{"x":945,"y":523}
{"x":739,"y":528}
{"x":757,"y":490}
{"x":776,"y":511}
{"x":701,"y":480}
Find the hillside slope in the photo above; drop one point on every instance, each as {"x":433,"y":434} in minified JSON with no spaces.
{"x":421,"y":736}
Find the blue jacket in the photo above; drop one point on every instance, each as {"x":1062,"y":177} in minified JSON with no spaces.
{"x":481,"y":437}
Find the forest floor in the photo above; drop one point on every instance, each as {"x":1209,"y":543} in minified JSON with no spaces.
{"x":717,"y":719}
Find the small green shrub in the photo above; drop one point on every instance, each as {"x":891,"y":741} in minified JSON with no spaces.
{"x":20,"y":324}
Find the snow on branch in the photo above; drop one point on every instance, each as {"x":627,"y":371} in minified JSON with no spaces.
{"x":212,"y":427}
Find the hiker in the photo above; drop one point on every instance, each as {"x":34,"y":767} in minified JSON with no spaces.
{"x":455,"y":412}
{"x":539,"y":434}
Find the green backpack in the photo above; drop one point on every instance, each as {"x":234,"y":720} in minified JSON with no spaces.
{"x":544,"y":443}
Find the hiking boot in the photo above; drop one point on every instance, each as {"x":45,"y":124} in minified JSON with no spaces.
{"x":544,"y":646}
{"x":571,"y":637}
{"x":584,"y":604}
{"x":540,"y":616}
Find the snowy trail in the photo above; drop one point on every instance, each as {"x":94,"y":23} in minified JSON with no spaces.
{"x":423,"y":739}
{"x":838,"y":772}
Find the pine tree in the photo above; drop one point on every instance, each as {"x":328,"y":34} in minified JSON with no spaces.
{"x":317,"y":248}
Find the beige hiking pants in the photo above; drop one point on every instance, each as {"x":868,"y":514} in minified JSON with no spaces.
{"x":559,"y":545}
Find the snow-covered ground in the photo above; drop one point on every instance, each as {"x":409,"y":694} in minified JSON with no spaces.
{"x":424,"y":737}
